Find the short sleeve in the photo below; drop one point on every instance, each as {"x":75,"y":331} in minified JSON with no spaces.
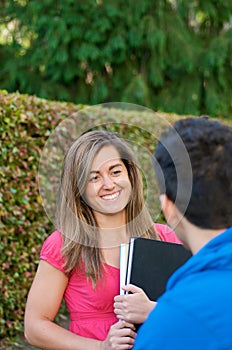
{"x":51,"y":251}
{"x":167,"y":234}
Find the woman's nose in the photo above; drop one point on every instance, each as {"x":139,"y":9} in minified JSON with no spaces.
{"x":107,"y":182}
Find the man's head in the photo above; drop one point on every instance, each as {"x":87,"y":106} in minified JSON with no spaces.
{"x":209,"y":146}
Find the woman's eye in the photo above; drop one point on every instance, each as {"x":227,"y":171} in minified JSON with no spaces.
{"x":94,"y":178}
{"x":116,"y":172}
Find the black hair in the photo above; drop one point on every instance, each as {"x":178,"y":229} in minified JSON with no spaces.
{"x":208,"y":145}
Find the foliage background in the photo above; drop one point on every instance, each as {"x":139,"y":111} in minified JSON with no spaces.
{"x":170,"y":55}
{"x":25,"y":124}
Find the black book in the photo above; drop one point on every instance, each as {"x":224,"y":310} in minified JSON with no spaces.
{"x":150,"y":263}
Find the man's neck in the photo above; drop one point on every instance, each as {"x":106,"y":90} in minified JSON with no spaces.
{"x":194,"y":237}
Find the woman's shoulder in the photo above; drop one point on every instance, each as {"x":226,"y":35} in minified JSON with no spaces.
{"x":166,"y":233}
{"x":55,"y":237}
{"x":53,"y":241}
{"x":51,"y":250}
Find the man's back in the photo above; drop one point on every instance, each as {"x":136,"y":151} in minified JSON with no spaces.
{"x":189,"y":315}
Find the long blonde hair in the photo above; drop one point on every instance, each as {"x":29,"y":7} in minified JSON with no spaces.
{"x":76,"y":219}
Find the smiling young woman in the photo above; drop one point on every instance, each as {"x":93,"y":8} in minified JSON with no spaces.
{"x":100,"y":205}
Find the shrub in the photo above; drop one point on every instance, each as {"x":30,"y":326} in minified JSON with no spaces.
{"x":26,"y":122}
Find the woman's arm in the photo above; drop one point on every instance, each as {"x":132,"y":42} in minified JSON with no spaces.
{"x":43,"y":303}
{"x":135,"y":307}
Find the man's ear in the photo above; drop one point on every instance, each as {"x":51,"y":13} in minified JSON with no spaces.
{"x":164,"y":202}
{"x":168,"y":209}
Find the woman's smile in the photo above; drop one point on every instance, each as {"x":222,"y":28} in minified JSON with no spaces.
{"x":110,"y":197}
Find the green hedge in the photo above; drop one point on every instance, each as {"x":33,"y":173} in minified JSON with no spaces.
{"x":26,"y":123}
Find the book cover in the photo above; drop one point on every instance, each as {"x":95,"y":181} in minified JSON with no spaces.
{"x":124,"y":248}
{"x":150,"y":263}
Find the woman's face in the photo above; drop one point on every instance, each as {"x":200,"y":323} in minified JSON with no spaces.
{"x":108,"y":187}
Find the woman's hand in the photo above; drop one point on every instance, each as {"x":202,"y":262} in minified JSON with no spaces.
{"x":121,"y":336}
{"x":133,"y":308}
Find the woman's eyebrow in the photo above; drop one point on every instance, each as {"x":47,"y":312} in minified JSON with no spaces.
{"x":115,"y":165}
{"x":110,"y":168}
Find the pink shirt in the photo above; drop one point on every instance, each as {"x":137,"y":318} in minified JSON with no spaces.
{"x":91,"y":310}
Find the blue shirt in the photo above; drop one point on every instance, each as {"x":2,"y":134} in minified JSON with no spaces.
{"x":195,"y":312}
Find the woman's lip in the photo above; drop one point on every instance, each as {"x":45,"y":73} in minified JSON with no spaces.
{"x":111,"y":196}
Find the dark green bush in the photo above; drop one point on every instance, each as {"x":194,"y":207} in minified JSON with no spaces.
{"x":169,"y":55}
